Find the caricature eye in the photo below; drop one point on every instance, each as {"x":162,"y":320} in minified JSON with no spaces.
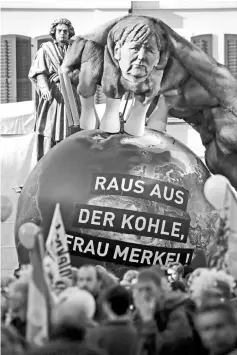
{"x":150,"y":49}
{"x":134,"y":48}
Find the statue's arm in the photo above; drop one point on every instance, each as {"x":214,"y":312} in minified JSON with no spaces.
{"x":39,"y":71}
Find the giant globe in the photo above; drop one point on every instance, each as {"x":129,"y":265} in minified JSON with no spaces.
{"x":125,"y":201}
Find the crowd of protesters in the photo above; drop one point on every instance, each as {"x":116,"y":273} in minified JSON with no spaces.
{"x":154,"y":310}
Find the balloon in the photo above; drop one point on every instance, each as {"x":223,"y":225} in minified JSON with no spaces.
{"x":6,"y":208}
{"x":215,"y":189}
{"x":92,"y":173}
{"x":27,"y":233}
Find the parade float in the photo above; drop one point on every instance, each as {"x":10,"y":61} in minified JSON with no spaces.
{"x":130,"y":195}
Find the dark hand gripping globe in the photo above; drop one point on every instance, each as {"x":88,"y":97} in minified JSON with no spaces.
{"x":125,"y":201}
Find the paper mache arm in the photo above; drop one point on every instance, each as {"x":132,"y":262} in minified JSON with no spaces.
{"x":87,"y":56}
{"x":216,"y":118}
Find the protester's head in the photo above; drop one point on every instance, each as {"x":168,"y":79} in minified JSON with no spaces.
{"x":82,"y":300}
{"x":74,"y":311}
{"x":205,"y":282}
{"x":61,"y":30}
{"x":88,"y":278}
{"x":61,"y":284}
{"x":216,"y":324}
{"x":11,"y":342}
{"x":130,"y":278}
{"x":116,"y":302}
{"x":175,"y":271}
{"x":219,"y":291}
{"x":149,"y":286}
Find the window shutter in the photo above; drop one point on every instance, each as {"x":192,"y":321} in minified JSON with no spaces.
{"x":23,"y":63}
{"x":204,"y":42}
{"x":15,"y":65}
{"x":100,"y":97}
{"x":231,"y":53}
{"x":8,"y":82}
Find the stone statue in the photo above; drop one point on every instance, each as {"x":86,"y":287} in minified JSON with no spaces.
{"x":144,"y":56}
{"x":51,"y":122}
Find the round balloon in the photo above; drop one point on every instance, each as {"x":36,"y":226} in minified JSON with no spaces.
{"x":27,"y":233}
{"x":125,"y":201}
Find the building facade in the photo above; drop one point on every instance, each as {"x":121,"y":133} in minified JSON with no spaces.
{"x":210,"y":25}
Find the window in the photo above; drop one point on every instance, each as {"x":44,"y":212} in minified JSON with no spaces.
{"x":231,"y":53}
{"x":204,"y":42}
{"x":15,"y":66}
{"x":23,"y":63}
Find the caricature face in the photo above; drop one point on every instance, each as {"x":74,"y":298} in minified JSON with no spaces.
{"x":62,"y":33}
{"x":137,"y":59}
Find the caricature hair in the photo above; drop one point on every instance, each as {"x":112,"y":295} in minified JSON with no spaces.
{"x":138,"y":29}
{"x":61,"y":21}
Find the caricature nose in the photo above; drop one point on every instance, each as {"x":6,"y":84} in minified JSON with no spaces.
{"x":141,"y":53}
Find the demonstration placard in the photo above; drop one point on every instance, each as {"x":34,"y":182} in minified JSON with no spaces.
{"x":56,"y":245}
{"x":124,"y":253}
{"x":146,"y":188}
{"x":131,"y":222}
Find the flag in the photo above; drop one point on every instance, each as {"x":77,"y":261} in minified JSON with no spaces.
{"x":39,"y":301}
{"x":57,"y":247}
{"x":230,"y":210}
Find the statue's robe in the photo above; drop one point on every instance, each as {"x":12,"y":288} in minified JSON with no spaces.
{"x":51,"y":122}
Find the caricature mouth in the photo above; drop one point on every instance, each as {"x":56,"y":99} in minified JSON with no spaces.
{"x":138,"y":70}
{"x":138,"y":66}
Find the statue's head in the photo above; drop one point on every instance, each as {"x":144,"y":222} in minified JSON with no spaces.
{"x":136,"y":54}
{"x":137,"y":47}
{"x":61,"y":30}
